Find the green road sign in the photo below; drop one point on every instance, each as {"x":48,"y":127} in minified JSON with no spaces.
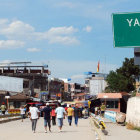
{"x":126,"y":29}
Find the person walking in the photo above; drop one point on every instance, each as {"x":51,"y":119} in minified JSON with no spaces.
{"x":66,"y":107}
{"x":76,"y":114}
{"x":92,"y":109}
{"x":70,"y":114}
{"x":53,"y":116}
{"x":103,"y":108}
{"x":47,"y":117}
{"x":22,"y":113}
{"x":85,"y":113}
{"x":96,"y":110}
{"x":29,"y":108}
{"x":34,"y":116}
{"x":60,"y":115}
{"x":3,"y":108}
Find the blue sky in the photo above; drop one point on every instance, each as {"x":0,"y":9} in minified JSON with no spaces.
{"x":70,"y":36}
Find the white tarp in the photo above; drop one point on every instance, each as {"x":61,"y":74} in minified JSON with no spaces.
{"x":11,"y":84}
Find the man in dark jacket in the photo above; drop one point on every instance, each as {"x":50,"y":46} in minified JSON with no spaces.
{"x":47,"y":117}
{"x":76,"y":114}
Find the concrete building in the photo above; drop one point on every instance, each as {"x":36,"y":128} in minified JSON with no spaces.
{"x":72,"y":88}
{"x":56,"y":88}
{"x":35,"y":76}
{"x":32,"y":79}
{"x":95,"y":84}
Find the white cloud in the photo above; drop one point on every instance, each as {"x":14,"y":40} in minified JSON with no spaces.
{"x":33,"y":50}
{"x":18,"y":30}
{"x":3,"y":21}
{"x":11,"y":44}
{"x":17,"y":26}
{"x":62,"y":30}
{"x":62,"y":35}
{"x":87,"y":29}
{"x":63,"y":40}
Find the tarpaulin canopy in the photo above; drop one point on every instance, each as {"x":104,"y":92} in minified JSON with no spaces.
{"x":35,"y":103}
{"x":44,"y":92}
{"x":88,"y":73}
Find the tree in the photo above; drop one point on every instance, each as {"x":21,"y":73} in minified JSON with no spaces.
{"x":128,"y":69}
{"x":116,"y":82}
{"x":124,"y":78}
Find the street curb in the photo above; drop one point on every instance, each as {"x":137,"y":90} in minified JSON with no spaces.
{"x":5,"y":120}
{"x":99,"y":134}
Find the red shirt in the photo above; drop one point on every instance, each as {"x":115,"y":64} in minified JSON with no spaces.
{"x":53,"y":112}
{"x":66,"y":108}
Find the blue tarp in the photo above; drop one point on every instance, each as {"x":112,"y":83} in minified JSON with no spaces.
{"x":88,"y":73}
{"x":44,"y":93}
{"x":69,"y":79}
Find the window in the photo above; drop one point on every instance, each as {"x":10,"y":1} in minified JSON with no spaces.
{"x":112,"y":104}
{"x":116,"y":104}
{"x":17,"y":104}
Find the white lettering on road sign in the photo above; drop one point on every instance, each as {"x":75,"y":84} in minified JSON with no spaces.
{"x":136,"y":22}
{"x":129,"y":21}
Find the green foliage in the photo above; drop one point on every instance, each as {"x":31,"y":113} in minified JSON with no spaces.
{"x":117,"y":82}
{"x":129,"y":70}
{"x":137,"y":128}
{"x":133,"y":93}
{"x":123,"y":79}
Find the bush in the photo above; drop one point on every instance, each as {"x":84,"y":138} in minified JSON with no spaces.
{"x":131,"y":126}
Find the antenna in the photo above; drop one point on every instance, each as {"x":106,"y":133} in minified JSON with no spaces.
{"x":105,"y":64}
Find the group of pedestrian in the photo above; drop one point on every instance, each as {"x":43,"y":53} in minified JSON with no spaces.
{"x":73,"y":112}
{"x":99,"y":110}
{"x":52,"y":114}
{"x":85,"y":113}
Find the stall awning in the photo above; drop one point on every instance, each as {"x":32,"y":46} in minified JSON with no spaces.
{"x":109,"y":96}
{"x":19,"y":96}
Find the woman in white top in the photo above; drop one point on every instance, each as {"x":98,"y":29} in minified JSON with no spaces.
{"x":22,"y":113}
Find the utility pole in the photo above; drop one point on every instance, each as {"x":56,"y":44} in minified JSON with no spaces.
{"x":49,"y":96}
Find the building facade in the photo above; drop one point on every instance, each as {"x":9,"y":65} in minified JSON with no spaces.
{"x":95,"y":84}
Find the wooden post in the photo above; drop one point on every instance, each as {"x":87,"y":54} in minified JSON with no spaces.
{"x":119,"y":105}
{"x":7,"y":97}
{"x":105,"y":101}
{"x":7,"y":104}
